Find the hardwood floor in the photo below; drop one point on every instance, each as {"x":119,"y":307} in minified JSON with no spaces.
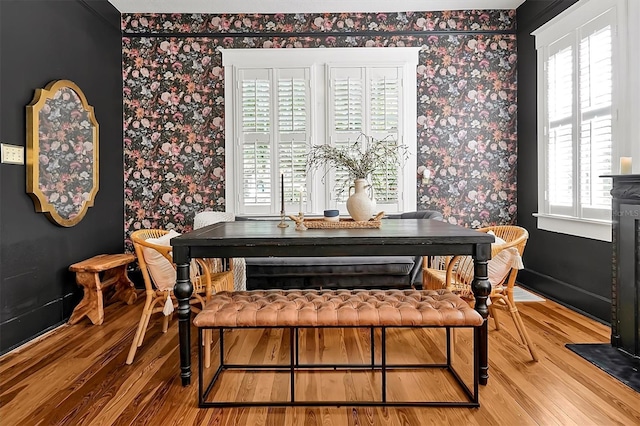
{"x":76,"y":375}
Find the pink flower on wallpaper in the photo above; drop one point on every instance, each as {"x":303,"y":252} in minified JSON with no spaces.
{"x":174,"y":111}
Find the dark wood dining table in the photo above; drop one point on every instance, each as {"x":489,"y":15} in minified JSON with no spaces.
{"x":259,"y":238}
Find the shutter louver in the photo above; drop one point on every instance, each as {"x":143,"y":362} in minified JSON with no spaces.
{"x":347,"y":104}
{"x":385,"y":182}
{"x":596,"y":138}
{"x":560,"y":144}
{"x":385,"y":105}
{"x":293,"y":166}
{"x":293,"y":133}
{"x":560,"y":166}
{"x":255,"y":106}
{"x":257,"y":173}
{"x":347,"y":114}
{"x":256,"y":152}
{"x":292,"y":105}
{"x":560,"y":86}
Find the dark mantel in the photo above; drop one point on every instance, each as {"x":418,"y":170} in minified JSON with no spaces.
{"x":625,"y":290}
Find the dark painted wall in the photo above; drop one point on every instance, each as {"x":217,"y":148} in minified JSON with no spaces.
{"x":43,"y":41}
{"x":572,"y":270}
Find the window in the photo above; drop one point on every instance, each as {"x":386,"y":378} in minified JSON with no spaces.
{"x":579,"y":128}
{"x":366,"y":100}
{"x":273,"y":135}
{"x":303,"y":97}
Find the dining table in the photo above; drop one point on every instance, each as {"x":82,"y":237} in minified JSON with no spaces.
{"x":264,"y":238}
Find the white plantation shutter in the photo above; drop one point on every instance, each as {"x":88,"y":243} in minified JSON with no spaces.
{"x":347,"y":109}
{"x":257,"y":173}
{"x":274,"y":105}
{"x":560,"y":167}
{"x":560,"y":106}
{"x":347,"y":88}
{"x":596,"y":138}
{"x":384,"y":111}
{"x":255,"y":108}
{"x":366,"y":100}
{"x":578,"y":118}
{"x":293,"y":131}
{"x":385,"y":100}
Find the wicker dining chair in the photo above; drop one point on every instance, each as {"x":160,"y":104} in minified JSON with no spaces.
{"x":153,"y":251}
{"x":456,"y":273}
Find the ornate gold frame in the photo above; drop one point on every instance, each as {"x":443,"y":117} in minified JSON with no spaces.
{"x":62,"y":152}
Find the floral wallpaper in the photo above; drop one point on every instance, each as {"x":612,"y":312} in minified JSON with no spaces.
{"x":455,"y":20}
{"x":467,"y":129}
{"x":174,"y":105}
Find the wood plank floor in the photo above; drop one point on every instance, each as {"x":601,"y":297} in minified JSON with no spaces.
{"x":76,"y":375}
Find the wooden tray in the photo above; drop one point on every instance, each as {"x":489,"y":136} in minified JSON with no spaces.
{"x":343,"y":223}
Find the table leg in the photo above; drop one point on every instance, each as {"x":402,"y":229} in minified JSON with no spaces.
{"x":481,"y":288}
{"x":183,"y":291}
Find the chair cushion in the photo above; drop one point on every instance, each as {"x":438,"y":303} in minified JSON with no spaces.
{"x":501,"y":264}
{"x":160,"y":269}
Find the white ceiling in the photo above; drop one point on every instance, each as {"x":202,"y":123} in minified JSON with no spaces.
{"x":308,"y":6}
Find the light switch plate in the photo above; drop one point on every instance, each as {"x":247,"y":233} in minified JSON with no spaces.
{"x":12,"y":154}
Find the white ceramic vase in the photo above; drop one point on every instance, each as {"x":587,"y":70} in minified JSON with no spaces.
{"x":359,"y":205}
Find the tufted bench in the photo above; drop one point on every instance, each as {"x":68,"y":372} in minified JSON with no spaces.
{"x":295,"y":309}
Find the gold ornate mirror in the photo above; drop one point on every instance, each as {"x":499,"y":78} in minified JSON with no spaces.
{"x":62,"y":152}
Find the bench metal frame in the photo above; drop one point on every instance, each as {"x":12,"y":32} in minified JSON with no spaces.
{"x":294,"y":365}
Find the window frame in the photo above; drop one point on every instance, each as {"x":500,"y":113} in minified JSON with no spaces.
{"x":568,"y":24}
{"x":319,"y":61}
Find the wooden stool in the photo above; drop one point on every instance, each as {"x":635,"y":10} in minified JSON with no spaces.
{"x":88,"y":272}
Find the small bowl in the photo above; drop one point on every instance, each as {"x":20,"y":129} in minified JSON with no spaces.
{"x":331,"y":213}
{"x":331,"y":218}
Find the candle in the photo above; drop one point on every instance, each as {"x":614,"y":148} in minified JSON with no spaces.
{"x":625,"y":165}
{"x":301,"y":196}
{"x":282,"y":192}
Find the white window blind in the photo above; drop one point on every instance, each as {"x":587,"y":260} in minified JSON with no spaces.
{"x":596,"y":138}
{"x":385,"y":100}
{"x":348,"y":99}
{"x":366,"y":100}
{"x":578,"y":139}
{"x":255,"y":94}
{"x":579,"y":107}
{"x":384,"y":84}
{"x":347,"y":90}
{"x":275,"y":136}
{"x":560,"y":106}
{"x":293,"y":133}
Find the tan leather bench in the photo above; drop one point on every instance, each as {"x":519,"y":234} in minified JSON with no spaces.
{"x":295,"y":309}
